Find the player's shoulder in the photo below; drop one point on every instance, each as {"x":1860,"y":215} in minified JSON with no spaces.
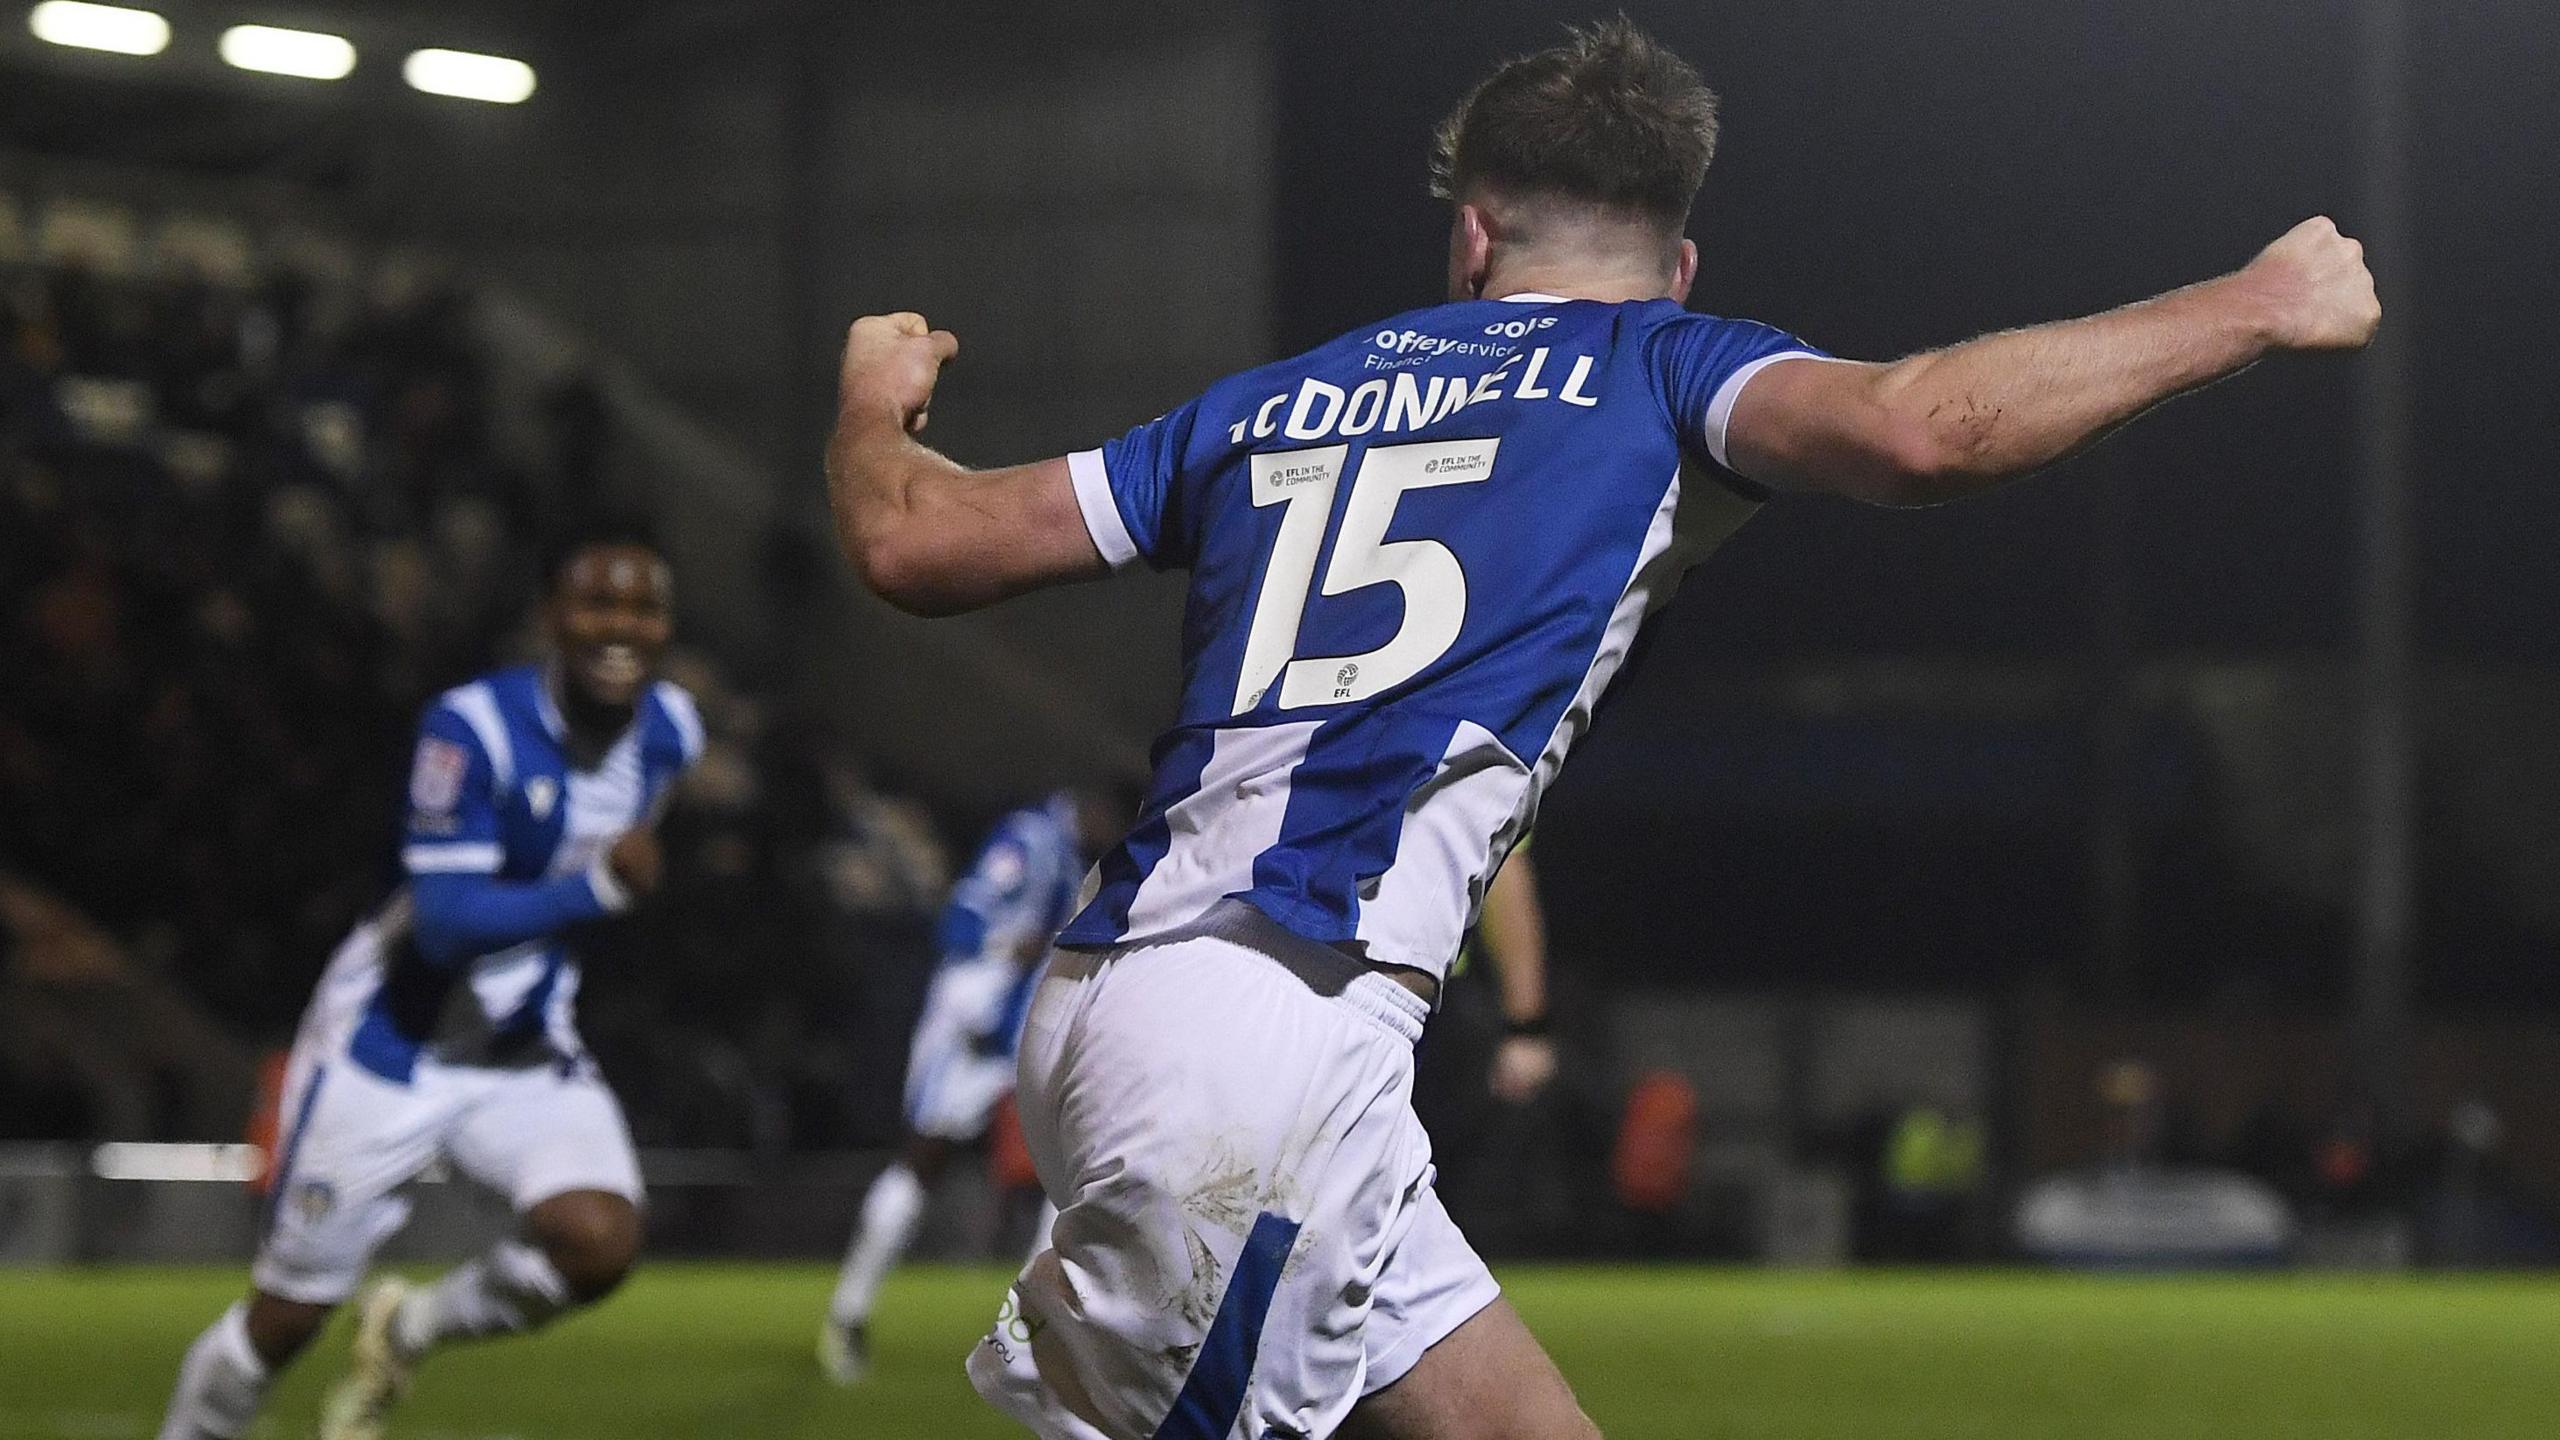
{"x":482,"y":712}
{"x":1678,"y":323}
{"x":507,"y":690}
{"x":674,"y":721}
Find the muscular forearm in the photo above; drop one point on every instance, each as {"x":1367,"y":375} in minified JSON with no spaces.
{"x":1993,"y":409}
{"x":879,"y":481}
{"x":929,"y":536}
{"x":1959,"y":421}
{"x":937,"y":538}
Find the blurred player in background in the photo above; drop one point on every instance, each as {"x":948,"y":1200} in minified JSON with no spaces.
{"x":1000,"y":921}
{"x":1489,"y":1054}
{"x":1511,"y":936}
{"x":443,"y":1029}
{"x":1418,"y":555}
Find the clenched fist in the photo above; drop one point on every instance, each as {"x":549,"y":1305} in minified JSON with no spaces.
{"x":890,"y":365}
{"x":1523,"y":1067}
{"x":636,"y":862}
{"x":2315,"y":288}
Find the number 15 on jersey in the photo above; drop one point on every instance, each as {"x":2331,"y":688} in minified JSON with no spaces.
{"x":1425,"y":572}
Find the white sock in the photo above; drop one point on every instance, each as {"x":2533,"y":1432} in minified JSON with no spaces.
{"x":890,"y":1214}
{"x":1040,"y":1229}
{"x":508,"y":1291}
{"x":221,"y":1383}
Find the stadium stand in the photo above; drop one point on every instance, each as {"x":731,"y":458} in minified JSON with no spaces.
{"x":261,"y":496}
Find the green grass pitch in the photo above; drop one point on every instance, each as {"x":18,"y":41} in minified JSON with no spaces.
{"x":724,"y":1351}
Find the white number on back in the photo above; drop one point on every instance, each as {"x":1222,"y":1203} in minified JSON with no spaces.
{"x":1429,"y":576}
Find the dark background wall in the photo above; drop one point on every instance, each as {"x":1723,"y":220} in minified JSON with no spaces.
{"x":1896,"y":175}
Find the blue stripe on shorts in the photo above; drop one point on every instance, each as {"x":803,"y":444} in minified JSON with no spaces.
{"x":1206,"y":1408}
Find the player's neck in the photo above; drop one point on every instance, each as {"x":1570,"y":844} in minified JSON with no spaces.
{"x":1574,"y":283}
{"x":590,"y":729}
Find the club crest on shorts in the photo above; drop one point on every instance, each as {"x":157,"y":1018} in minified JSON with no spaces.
{"x":541,"y":793}
{"x":313,"y":1200}
{"x":435,"y":780}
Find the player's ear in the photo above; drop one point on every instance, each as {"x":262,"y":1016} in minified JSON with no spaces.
{"x":1684,"y":270}
{"x":1470,"y":252}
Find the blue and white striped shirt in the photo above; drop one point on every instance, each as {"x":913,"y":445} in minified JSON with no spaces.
{"x":504,"y":853}
{"x":1418,"y":555}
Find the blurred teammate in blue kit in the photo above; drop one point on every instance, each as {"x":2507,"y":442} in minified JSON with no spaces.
{"x":443,"y":1028}
{"x":998,"y":924}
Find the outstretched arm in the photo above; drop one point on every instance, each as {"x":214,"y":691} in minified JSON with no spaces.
{"x":929,"y":536}
{"x":1955,"y":422}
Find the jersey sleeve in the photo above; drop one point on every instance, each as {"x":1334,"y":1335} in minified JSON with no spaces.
{"x":1131,"y":491}
{"x":1703,"y":362}
{"x":453,"y":801}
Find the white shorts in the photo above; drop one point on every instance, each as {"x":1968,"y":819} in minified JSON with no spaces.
{"x":1247,"y":1239}
{"x":954,"y":1076}
{"x":352,"y":1139}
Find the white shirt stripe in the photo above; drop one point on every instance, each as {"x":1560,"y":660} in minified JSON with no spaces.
{"x":686,"y":716}
{"x":477,"y":704}
{"x":1465,"y":815}
{"x":461,"y":858}
{"x":1221,"y":828}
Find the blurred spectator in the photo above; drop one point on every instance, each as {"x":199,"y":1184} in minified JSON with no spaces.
{"x":122,"y":1053}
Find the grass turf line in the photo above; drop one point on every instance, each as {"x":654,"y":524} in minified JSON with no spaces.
{"x":723,"y":1352}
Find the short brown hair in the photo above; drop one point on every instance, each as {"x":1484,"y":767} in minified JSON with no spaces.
{"x":1609,"y":118}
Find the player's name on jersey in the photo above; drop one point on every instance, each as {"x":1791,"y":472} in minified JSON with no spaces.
{"x":1405,"y":401}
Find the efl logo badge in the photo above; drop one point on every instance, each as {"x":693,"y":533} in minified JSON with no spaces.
{"x":435,"y":781}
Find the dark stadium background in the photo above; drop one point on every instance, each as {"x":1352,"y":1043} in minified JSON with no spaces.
{"x":2070,"y":773}
{"x":1894,"y":176}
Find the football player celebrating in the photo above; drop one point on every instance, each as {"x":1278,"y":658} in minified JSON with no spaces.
{"x":442,"y":1028}
{"x":1417,"y":557}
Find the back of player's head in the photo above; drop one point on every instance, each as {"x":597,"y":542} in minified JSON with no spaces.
{"x":1610,"y":120}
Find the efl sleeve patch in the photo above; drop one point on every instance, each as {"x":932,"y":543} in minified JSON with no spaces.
{"x":435,"y":780}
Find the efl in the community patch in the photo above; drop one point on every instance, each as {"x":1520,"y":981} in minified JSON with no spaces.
{"x":435,"y":783}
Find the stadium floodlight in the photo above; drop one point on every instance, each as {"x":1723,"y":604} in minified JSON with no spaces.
{"x":304,"y":54}
{"x":466,"y":76}
{"x":99,"y":27}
